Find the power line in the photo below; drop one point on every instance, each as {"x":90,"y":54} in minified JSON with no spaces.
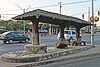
{"x":8,"y":14}
{"x":76,"y":2}
{"x":83,"y":13}
{"x":52,"y":5}
{"x":45,"y":6}
{"x":24,"y":10}
{"x":10,"y":10}
{"x":63,"y":4}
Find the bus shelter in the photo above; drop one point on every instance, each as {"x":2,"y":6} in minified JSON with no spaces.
{"x":62,"y":21}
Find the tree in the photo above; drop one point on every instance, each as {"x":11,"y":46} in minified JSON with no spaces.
{"x":45,"y":26}
{"x":13,"y":25}
{"x":21,"y":25}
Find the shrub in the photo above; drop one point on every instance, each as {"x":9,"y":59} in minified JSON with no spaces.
{"x":2,"y":31}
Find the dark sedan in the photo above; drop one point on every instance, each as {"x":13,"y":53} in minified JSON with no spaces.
{"x":11,"y":36}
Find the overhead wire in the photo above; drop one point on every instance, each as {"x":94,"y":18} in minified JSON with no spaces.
{"x":77,"y":2}
{"x":63,"y":4}
{"x":52,"y":5}
{"x":83,"y":13}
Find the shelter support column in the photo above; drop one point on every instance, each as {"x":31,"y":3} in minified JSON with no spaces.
{"x":61,"y":31}
{"x":35,"y":34}
{"x":35,"y":47}
{"x":78,"y":40}
{"x":62,"y":43}
{"x":77,"y":33}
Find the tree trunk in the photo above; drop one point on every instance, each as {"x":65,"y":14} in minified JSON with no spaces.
{"x":62,"y":32}
{"x":35,"y":34}
{"x":77,"y":33}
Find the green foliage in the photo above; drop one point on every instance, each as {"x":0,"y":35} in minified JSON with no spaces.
{"x":14,"y":25}
{"x":45,"y":26}
{"x":2,"y":31}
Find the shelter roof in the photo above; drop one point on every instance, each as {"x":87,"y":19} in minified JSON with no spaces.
{"x":50,"y":17}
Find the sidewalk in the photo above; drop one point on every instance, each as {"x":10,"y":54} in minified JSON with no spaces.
{"x":82,"y":54}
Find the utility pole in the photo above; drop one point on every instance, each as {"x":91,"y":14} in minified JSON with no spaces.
{"x":88,"y":13}
{"x":88,"y":27}
{"x":60,"y":4}
{"x":92,"y":22}
{"x":24,"y":10}
{"x":50,"y":29}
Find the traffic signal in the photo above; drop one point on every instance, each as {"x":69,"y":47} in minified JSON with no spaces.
{"x":94,"y":19}
{"x":0,"y":16}
{"x":82,"y":16}
{"x":98,"y":13}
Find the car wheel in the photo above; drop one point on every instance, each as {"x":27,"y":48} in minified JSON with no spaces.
{"x":26,"y":40}
{"x":10,"y":41}
{"x":20,"y":41}
{"x":4,"y":41}
{"x":71,"y":38}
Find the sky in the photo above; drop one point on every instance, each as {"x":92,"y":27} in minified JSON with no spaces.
{"x":9,"y":9}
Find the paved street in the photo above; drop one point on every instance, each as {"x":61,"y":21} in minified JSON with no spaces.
{"x":48,"y":40}
{"x":88,"y":62}
{"x":91,"y":53}
{"x":4,"y":48}
{"x":87,"y":38}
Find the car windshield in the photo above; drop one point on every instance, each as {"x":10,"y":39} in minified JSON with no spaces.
{"x":67,"y":32}
{"x":5,"y":33}
{"x":20,"y":34}
{"x":73,"y":32}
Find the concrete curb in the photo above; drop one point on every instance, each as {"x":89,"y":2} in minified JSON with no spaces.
{"x":44,"y":57}
{"x":59,"y":60}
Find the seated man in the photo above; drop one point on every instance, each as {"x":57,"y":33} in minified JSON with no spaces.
{"x":78,"y":42}
{"x":62,"y":43}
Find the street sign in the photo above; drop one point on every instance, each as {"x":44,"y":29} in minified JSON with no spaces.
{"x":98,"y":13}
{"x":94,"y":19}
{"x":0,"y":16}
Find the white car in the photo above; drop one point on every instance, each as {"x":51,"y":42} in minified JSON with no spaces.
{"x":68,"y":34}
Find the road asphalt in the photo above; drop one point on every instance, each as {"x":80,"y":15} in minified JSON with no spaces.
{"x":83,"y":54}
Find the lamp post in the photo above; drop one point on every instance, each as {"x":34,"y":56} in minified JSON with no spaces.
{"x":24,"y":10}
{"x":60,"y":4}
{"x":24,"y":21}
{"x":92,"y":27}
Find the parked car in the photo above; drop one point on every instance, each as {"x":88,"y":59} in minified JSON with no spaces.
{"x":43,"y":32}
{"x":69,"y":34}
{"x":11,"y":36}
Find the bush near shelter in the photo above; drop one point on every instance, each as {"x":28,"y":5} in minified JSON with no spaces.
{"x":2,"y":31}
